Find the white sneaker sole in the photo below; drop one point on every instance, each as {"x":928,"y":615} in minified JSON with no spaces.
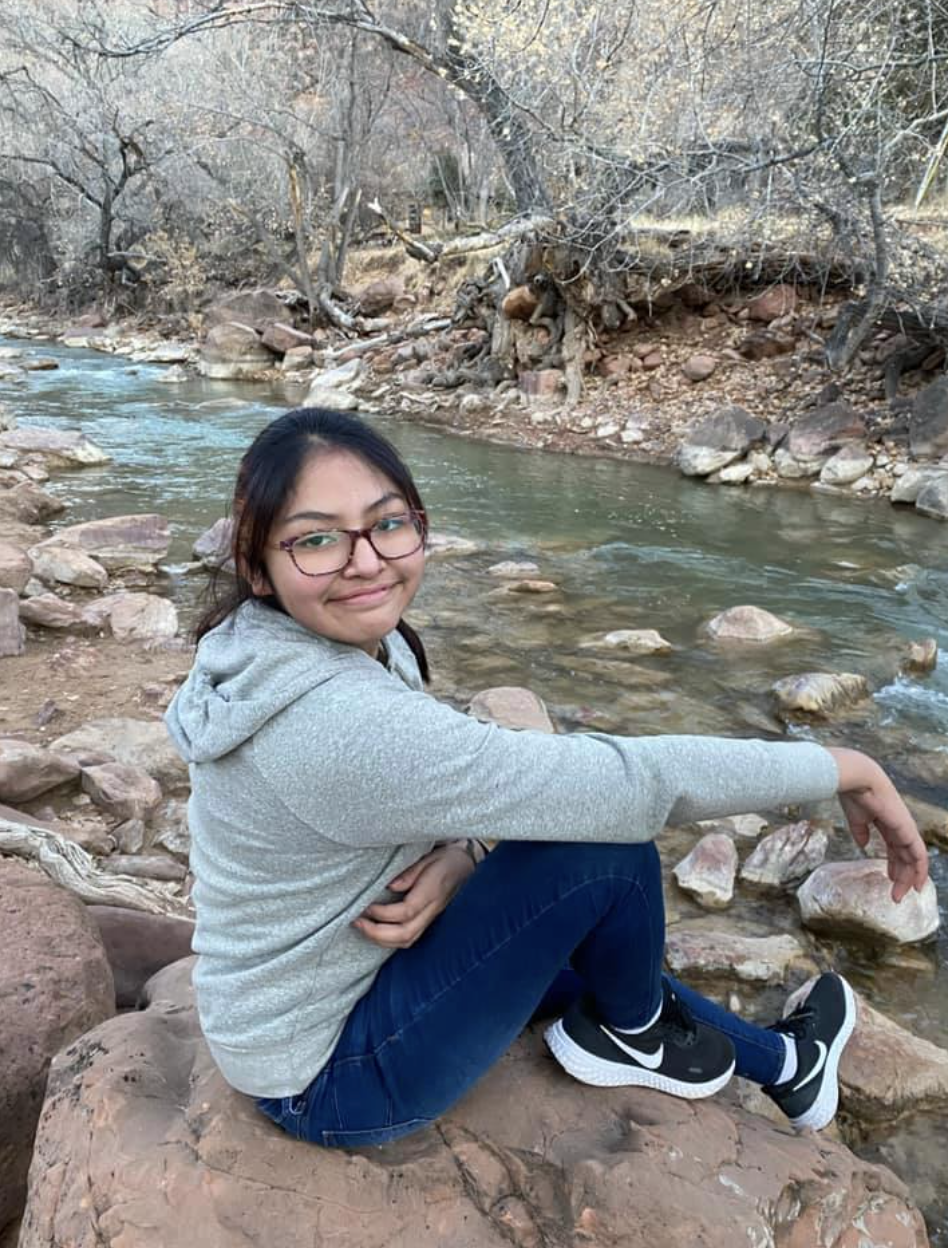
{"x":823,"y":1110}
{"x":599,"y":1072}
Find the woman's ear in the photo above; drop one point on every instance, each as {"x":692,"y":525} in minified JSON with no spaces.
{"x":259,"y":583}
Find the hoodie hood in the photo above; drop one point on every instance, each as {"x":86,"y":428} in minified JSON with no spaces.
{"x":248,"y":669}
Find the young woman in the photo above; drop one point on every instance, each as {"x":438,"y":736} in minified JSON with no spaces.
{"x":362,"y":961}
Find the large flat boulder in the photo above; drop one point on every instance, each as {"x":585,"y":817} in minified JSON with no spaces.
{"x":58,"y":446}
{"x":55,"y":983}
{"x":137,"y":541}
{"x":142,"y":743}
{"x":232,"y":351}
{"x":147,"y":1144}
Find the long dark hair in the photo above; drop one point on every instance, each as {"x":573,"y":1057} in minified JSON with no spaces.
{"x":267,"y":477}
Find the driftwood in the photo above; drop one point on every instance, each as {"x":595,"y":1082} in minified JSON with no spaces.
{"x":429,"y":325}
{"x":70,"y":866}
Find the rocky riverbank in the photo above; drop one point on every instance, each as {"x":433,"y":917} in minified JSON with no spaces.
{"x":731,"y":391}
{"x":93,"y":791}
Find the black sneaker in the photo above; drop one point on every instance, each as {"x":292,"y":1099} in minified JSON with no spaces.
{"x":821,"y":1026}
{"x":676,"y":1054}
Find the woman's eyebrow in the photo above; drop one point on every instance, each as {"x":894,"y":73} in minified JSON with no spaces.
{"x":391,"y":496}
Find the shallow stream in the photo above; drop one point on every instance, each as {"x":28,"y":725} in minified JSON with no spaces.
{"x":629,"y":546}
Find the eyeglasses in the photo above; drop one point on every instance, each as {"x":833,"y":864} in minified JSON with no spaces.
{"x":330,"y":550}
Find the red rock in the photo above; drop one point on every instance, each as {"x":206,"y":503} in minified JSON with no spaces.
{"x":652,"y":361}
{"x":141,"y":1143}
{"x":546,"y":383}
{"x":55,"y":984}
{"x":699,"y":367}
{"x":616,"y":365}
{"x":281,"y":338}
{"x":771,"y":304}
{"x":27,"y":770}
{"x":138,"y":946}
{"x":380,"y":295}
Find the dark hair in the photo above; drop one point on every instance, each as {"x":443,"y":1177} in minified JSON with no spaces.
{"x":266,"y":478}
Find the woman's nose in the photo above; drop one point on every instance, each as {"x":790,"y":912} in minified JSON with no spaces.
{"x":363,"y":559}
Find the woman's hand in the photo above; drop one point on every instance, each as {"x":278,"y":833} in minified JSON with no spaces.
{"x":428,"y":885}
{"x":869,"y":799}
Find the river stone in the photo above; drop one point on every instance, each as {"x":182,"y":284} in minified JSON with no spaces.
{"x":511,"y":568}
{"x":847,"y":465}
{"x":933,"y":498}
{"x":138,"y":945}
{"x":699,"y":367}
{"x":928,"y":420}
{"x":695,"y":949}
{"x":819,"y":693}
{"x":27,"y":770}
{"x":632,"y":641}
{"x":885,"y":1070}
{"x":854,"y":897}
{"x":735,"y":474}
{"x":28,"y":504}
{"x":66,"y":565}
{"x":170,"y":829}
{"x":55,"y":984}
{"x":213,"y":547}
{"x":335,"y":400}
{"x":233,"y":351}
{"x":708,"y":872}
{"x":821,"y":433}
{"x":748,"y":623}
{"x":911,"y":483}
{"x":143,"y":617}
{"x":786,"y":857}
{"x":342,"y":377}
{"x":50,"y":611}
{"x":512,"y":707}
{"x":12,"y":632}
{"x":16,"y":567}
{"x":146,"y":1143}
{"x":255,"y":308}
{"x":528,"y":587}
{"x":147,"y":867}
{"x":449,"y":544}
{"x":922,"y":656}
{"x":718,"y":440}
{"x":57,"y":446}
{"x":792,"y":467}
{"x":119,"y":542}
{"x":142,"y":743}
{"x":748,"y":827}
{"x":121,"y":790}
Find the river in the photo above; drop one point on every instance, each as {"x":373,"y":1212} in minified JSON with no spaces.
{"x":629,"y":546}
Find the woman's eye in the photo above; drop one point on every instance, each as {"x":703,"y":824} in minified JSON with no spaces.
{"x":391,"y":523}
{"x":316,"y":541}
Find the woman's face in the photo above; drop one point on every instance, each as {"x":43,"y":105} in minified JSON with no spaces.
{"x":364,"y":600}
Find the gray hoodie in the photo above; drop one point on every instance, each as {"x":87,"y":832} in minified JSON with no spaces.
{"x":319,"y":773}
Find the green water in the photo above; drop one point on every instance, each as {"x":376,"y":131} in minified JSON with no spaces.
{"x":629,"y":546}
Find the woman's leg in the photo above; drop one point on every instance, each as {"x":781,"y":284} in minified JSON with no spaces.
{"x":438,"y":1015}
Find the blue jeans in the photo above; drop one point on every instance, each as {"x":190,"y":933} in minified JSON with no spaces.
{"x":438,"y":1015}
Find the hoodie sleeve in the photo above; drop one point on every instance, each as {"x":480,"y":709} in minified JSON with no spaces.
{"x":368,"y":762}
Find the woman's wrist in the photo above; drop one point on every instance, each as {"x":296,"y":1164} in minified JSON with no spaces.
{"x":858,"y":773}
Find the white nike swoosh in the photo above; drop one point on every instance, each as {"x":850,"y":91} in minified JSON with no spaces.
{"x":651,"y":1061}
{"x":816,"y":1069}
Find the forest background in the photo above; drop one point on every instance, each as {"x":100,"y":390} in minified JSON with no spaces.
{"x":151,"y":155}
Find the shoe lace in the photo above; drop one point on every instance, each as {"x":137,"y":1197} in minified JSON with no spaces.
{"x":677,"y":1020}
{"x":796,"y":1023}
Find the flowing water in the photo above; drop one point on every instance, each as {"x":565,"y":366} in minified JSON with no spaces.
{"x":629,"y":546}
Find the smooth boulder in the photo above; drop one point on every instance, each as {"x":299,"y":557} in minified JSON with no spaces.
{"x":55,"y":984}
{"x":63,"y":447}
{"x":855,"y":898}
{"x":119,"y":542}
{"x":149,"y":1147}
{"x":748,"y":623}
{"x":142,"y":743}
{"x":718,"y":440}
{"x":28,"y":771}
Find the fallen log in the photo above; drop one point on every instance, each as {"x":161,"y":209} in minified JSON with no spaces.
{"x":68,"y":865}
